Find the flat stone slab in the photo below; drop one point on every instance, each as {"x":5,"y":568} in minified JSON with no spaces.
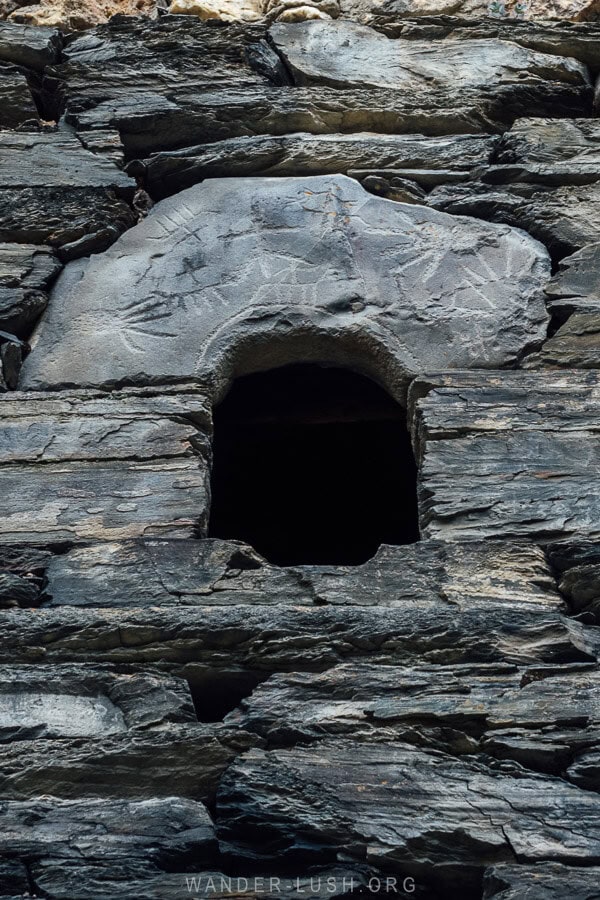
{"x":25,"y":274}
{"x":119,"y":838}
{"x":509,"y":455}
{"x":173,"y":759}
{"x":227,"y":573}
{"x":345,"y":54}
{"x":86,"y":702}
{"x":29,"y":46}
{"x":565,"y":218}
{"x":16,"y":101}
{"x":54,"y":191}
{"x":195,"y":83}
{"x":418,"y":157}
{"x":399,"y":807}
{"x":293,"y":266}
{"x":289,"y":637}
{"x":543,"y":717}
{"x":544,"y":881}
{"x":576,"y":345}
{"x":98,"y":467}
{"x":576,"y":286}
{"x":550,"y":151}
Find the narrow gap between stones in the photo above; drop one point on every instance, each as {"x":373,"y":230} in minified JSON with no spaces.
{"x":217,"y":693}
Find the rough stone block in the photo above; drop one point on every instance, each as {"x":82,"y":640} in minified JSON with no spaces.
{"x":147,"y":573}
{"x":54,"y":191}
{"x":346,"y":55}
{"x":397,"y":807}
{"x":507,"y":455}
{"x":85,"y":467}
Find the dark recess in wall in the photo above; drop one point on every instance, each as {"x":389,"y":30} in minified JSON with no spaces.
{"x":312,"y":465}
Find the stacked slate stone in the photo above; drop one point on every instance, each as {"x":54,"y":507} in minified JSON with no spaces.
{"x":418,"y":200}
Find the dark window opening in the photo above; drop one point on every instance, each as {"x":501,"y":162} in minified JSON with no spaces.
{"x":312,"y":465}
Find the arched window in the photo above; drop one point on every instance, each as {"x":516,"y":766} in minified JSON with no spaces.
{"x":312,"y":465}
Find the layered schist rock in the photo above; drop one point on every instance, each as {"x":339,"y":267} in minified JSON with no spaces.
{"x":194,"y":82}
{"x":96,"y":467}
{"x":429,"y":718}
{"x":497,"y":462}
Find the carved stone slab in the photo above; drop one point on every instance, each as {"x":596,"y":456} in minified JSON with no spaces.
{"x":311,"y":265}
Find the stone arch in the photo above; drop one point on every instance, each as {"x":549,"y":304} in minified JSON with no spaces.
{"x":239,"y":263}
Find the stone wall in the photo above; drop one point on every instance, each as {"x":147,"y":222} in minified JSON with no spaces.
{"x":185,"y":202}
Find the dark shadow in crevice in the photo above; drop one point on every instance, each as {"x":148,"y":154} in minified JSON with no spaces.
{"x":312,"y":466}
{"x":216,"y":693}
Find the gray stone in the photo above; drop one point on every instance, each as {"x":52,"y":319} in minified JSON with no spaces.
{"x":576,"y":345}
{"x":544,"y":881}
{"x":111,"y":467}
{"x":440,"y":818}
{"x":85,"y":701}
{"x":564,"y":218}
{"x":558,"y":38}
{"x":576,"y":286}
{"x":120,"y":839}
{"x":441,"y":158}
{"x":17,"y":106}
{"x":29,"y":46}
{"x":85,"y":883}
{"x":549,"y":151}
{"x":222,"y":573}
{"x":26,"y":272}
{"x":577,"y":567}
{"x":540,"y":717}
{"x":289,"y":638}
{"x":585,"y":769}
{"x":55,"y":159}
{"x":292,"y":265}
{"x":347,"y":55}
{"x":179,"y":81}
{"x":505,"y":455}
{"x":54,"y":191}
{"x":186,"y":760}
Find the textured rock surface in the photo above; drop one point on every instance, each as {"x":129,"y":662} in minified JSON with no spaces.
{"x":429,"y":716}
{"x":26,"y":272}
{"x":109,"y":470}
{"x":498,"y":710}
{"x":282,"y":637}
{"x":223,"y":573}
{"x":563,"y":218}
{"x":34,"y":48}
{"x":278,"y":280}
{"x":520,"y":471}
{"x":17,"y":105}
{"x":54,"y":191}
{"x":74,"y":15}
{"x":576,"y":287}
{"x":350,"y":55}
{"x":194,"y":82}
{"x":119,"y":840}
{"x":545,"y":881}
{"x":326,"y":797}
{"x":187,"y":760}
{"x":425,"y":160}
